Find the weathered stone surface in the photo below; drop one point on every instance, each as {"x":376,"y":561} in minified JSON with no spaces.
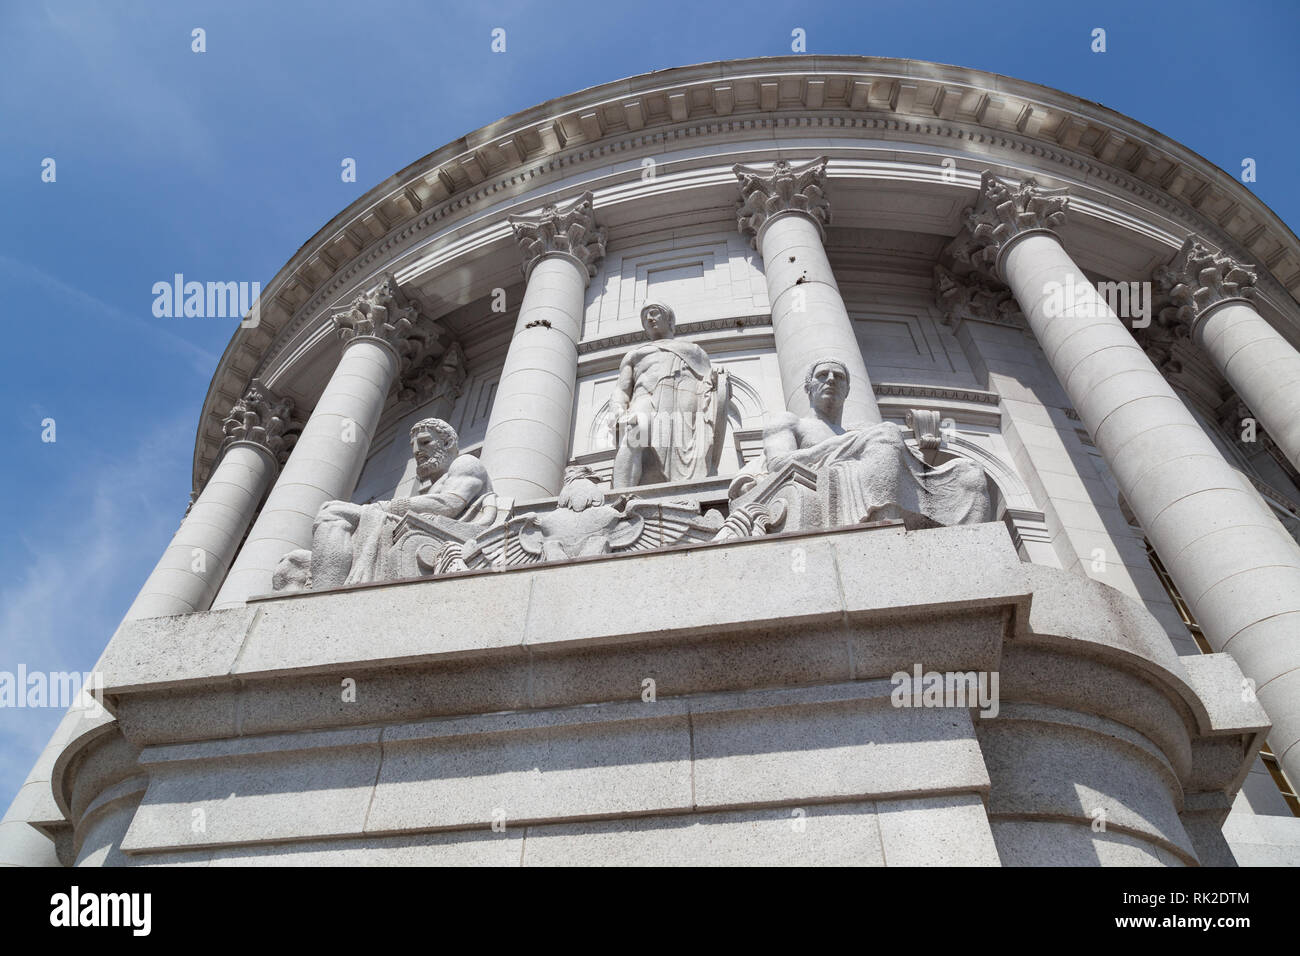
{"x":158,"y":651}
{"x":1048,"y":762}
{"x":521,"y":768}
{"x":258,"y":790}
{"x":950,"y":830}
{"x":840,"y":741}
{"x":1055,"y":843}
{"x":841,"y":834}
{"x":863,"y":473}
{"x":668,"y":412}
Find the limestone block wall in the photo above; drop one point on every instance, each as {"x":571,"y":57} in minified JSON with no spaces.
{"x":769,"y":732}
{"x":701,"y":276}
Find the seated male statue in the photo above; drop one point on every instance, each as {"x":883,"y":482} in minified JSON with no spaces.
{"x":350,"y":542}
{"x":867,"y":470}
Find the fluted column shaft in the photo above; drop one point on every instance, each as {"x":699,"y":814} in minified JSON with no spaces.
{"x":526,"y":446}
{"x":1231,"y":559}
{"x":785,"y":212}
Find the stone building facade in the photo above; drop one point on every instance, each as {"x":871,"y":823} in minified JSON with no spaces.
{"x":582,"y":491}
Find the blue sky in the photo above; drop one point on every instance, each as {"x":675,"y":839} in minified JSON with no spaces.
{"x":220,"y":165}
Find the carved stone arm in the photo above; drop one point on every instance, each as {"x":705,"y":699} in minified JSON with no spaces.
{"x":780,"y":442}
{"x":622,"y":397}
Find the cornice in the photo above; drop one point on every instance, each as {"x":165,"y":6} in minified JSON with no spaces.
{"x":626,"y":339}
{"x":520,"y":153}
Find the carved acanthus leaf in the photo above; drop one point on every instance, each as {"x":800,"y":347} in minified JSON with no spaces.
{"x":784,"y":188}
{"x":972,"y":296}
{"x":567,"y":228}
{"x":264,"y":419}
{"x":437,"y":377}
{"x":1005,"y":210}
{"x":1197,"y":278}
{"x":387,"y":313}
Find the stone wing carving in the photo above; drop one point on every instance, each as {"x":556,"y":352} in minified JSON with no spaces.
{"x":672,"y":523}
{"x":424,"y":544}
{"x":499,"y":547}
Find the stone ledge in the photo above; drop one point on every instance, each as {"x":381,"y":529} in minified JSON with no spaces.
{"x":770,"y":661}
{"x":798,"y":580}
{"x":926,"y":831}
{"x":801,"y":746}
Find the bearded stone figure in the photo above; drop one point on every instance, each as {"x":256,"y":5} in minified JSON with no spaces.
{"x":668,"y":410}
{"x":867,"y":472}
{"x":350,"y":542}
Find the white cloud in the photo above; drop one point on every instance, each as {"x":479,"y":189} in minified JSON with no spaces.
{"x":61,"y":293}
{"x":84,"y":559}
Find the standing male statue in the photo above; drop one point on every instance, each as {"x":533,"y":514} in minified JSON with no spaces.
{"x":669,"y":408}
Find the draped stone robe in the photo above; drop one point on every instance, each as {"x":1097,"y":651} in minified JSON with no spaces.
{"x":869,"y":474}
{"x":682,"y":417}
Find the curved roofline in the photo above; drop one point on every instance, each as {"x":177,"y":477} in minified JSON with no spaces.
{"x":450,"y":175}
{"x":524,"y":116}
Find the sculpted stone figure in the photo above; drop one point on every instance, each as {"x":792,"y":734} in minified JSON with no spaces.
{"x":668,"y":409}
{"x":582,"y":523}
{"x":350,"y":541}
{"x":867,"y":472}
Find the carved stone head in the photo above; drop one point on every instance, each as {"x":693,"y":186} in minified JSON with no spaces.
{"x":658,"y":320}
{"x":827,"y":384}
{"x":581,"y":489}
{"x":435,"y":445}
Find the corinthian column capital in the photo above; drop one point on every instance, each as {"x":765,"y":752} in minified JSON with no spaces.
{"x":1196,"y":279}
{"x":264,"y":419}
{"x":565,"y":229}
{"x":1004,"y":212}
{"x":785,"y":188}
{"x":972,"y":297}
{"x":388,"y":315}
{"x":437,"y":377}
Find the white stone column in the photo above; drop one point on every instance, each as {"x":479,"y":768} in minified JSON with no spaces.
{"x":1231,"y":559}
{"x":259,"y":436}
{"x":526,"y":445}
{"x":784,"y":213}
{"x":1211,"y":297}
{"x":383,"y":333}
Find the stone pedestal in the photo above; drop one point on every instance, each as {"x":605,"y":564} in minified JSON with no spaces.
{"x":589,"y":720}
